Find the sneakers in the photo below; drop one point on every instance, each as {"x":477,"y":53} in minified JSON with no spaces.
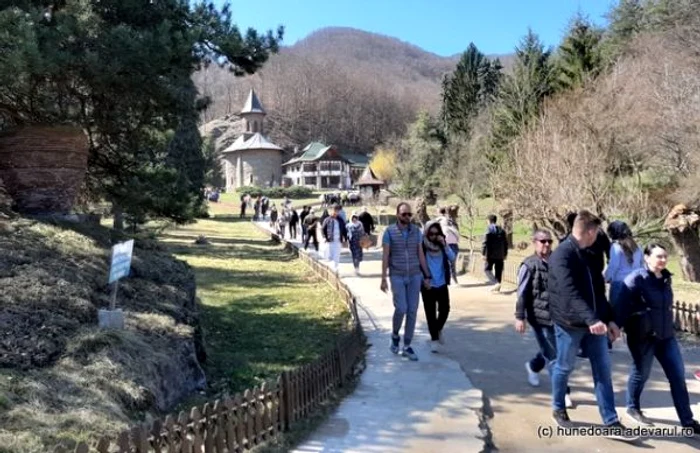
{"x":620,"y":432}
{"x":357,"y":272}
{"x":567,"y":401}
{"x":697,"y":375}
{"x":637,"y":416}
{"x":408,"y":352}
{"x":441,"y":337}
{"x":532,"y":377}
{"x":561,"y":418}
{"x":395,"y":344}
{"x":434,"y":346}
{"x":496,"y":288}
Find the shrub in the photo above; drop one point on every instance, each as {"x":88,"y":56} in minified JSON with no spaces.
{"x":294,"y":192}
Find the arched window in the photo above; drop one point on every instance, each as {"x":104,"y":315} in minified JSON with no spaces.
{"x":255,"y":126}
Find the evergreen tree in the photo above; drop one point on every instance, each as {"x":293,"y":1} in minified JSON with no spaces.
{"x":521,"y":94}
{"x":472,"y":85}
{"x":579,"y":58}
{"x":420,"y":157}
{"x":626,"y":20}
{"x":122,"y":69}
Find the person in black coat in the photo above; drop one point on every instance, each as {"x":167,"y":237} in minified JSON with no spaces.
{"x":494,"y":251}
{"x":293,"y":222}
{"x":582,"y":319}
{"x":645,"y":310}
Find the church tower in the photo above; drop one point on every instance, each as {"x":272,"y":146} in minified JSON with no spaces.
{"x":253,"y":115}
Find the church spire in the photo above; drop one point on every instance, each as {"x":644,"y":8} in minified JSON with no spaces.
{"x":252,"y":104}
{"x":253,"y":114}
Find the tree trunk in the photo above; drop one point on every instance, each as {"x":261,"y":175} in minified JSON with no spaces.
{"x":507,"y":216}
{"x":682,"y":224}
{"x":118,"y":217}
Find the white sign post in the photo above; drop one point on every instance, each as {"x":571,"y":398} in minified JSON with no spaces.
{"x":119,"y":268}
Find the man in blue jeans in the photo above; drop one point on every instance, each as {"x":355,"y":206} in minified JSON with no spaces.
{"x":533,"y":306}
{"x":582,"y":319}
{"x":405,"y":260}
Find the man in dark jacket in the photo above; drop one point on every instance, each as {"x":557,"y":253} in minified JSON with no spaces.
{"x":494,"y":251}
{"x":581,"y":319}
{"x":533,"y":305}
{"x":366,"y":220}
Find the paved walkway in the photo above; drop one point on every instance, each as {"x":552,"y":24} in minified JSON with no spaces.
{"x":398,"y":405}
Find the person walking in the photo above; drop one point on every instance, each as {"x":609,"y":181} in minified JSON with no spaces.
{"x":302,"y":217}
{"x":335,"y":233}
{"x":311,"y":223}
{"x":581,"y":320}
{"x":436,"y":296}
{"x":625,"y":257}
{"x":451,"y":230}
{"x":494,"y":251}
{"x":644,"y":308}
{"x":404,"y":260}
{"x":533,"y":306}
{"x":367,"y":220}
{"x":293,"y":222}
{"x":355,"y":233}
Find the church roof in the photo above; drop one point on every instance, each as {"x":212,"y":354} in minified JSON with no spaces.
{"x":369,"y":179}
{"x":256,"y":141}
{"x":252,"y":104}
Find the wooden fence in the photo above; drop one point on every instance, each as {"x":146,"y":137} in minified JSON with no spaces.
{"x":258,"y":415}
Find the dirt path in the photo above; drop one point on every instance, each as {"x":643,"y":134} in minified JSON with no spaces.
{"x":480,"y":336}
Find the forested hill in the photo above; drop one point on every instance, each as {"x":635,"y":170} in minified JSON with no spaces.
{"x":346,"y":86}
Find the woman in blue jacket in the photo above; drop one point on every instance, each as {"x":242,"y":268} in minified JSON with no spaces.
{"x":644,"y":308}
{"x":436,"y":299}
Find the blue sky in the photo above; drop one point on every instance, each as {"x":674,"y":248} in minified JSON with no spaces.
{"x":444,"y":27}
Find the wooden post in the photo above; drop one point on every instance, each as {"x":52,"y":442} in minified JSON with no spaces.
{"x":286,"y":409}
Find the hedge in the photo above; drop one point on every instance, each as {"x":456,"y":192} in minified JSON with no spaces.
{"x":293,"y":192}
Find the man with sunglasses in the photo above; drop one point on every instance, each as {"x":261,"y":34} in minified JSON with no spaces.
{"x":533,"y":306}
{"x":404,"y":259}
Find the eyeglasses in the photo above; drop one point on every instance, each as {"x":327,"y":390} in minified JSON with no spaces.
{"x":406,"y":214}
{"x":545,"y":241}
{"x":432,"y":235}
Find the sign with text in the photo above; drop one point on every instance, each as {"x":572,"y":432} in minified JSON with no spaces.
{"x":121,"y":260}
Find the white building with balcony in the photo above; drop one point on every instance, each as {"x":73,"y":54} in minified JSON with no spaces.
{"x":319,"y":166}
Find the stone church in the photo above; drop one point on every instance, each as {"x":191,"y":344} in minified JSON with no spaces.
{"x":252,"y":159}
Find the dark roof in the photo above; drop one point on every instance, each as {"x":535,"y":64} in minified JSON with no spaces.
{"x":252,"y":104}
{"x":369,"y":179}
{"x":356,"y":159}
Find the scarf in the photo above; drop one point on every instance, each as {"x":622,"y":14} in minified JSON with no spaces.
{"x":431,"y":247}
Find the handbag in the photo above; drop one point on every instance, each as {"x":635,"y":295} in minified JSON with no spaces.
{"x":365,"y":241}
{"x":639,"y":325}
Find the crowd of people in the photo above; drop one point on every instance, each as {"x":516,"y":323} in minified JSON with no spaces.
{"x":561,"y":295}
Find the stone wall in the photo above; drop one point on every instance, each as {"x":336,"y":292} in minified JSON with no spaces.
{"x":259,"y":168}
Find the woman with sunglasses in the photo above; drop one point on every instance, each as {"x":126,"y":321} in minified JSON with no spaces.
{"x":644,"y":309}
{"x":436,"y":297}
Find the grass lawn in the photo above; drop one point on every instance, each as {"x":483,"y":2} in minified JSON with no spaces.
{"x":262,"y":310}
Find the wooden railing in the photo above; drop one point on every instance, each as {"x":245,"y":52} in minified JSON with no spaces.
{"x":258,"y":415}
